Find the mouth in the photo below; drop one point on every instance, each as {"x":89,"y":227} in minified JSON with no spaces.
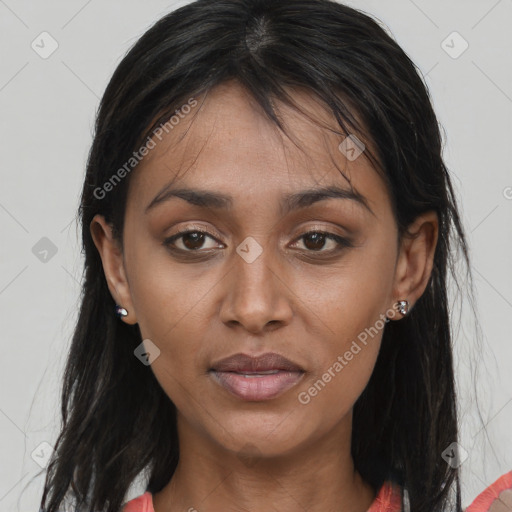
{"x":256,"y":378}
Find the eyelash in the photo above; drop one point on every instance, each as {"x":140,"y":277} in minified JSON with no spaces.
{"x":340,"y":240}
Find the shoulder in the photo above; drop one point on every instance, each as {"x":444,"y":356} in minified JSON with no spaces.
{"x":143,"y":503}
{"x":496,"y":498}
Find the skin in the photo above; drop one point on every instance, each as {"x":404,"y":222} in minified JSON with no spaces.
{"x":304,"y":304}
{"x":503,"y":503}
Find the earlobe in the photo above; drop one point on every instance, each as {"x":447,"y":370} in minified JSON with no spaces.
{"x":111,"y":255}
{"x":416,"y":258}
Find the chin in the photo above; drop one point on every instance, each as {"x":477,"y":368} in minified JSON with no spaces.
{"x":254,"y":437}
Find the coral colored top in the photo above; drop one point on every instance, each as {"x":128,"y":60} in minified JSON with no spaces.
{"x":388,"y":498}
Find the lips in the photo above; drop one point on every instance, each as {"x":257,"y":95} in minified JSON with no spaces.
{"x":242,"y":363}
{"x":256,"y":378}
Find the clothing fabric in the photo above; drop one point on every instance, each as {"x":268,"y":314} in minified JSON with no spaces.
{"x":388,"y":498}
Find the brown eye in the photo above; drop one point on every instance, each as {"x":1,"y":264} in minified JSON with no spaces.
{"x":323,"y":242}
{"x":190,"y":241}
{"x":193,"y":240}
{"x":314,"y":241}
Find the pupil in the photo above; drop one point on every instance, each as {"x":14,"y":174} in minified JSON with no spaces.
{"x":193,"y":240}
{"x":318,"y":241}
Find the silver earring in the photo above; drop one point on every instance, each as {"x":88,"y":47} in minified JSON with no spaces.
{"x":120,"y":311}
{"x":403,"y":307}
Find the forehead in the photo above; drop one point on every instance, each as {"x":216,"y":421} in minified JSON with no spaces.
{"x":227,"y":144}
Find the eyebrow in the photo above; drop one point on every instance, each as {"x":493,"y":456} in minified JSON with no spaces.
{"x":290,"y":202}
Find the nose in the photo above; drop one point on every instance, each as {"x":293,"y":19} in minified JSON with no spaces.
{"x":257,"y":296}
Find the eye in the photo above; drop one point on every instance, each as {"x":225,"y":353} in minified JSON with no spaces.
{"x":189,"y":240}
{"x":316,"y":241}
{"x":193,"y":240}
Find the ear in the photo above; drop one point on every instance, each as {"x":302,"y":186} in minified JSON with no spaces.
{"x":113,"y":265}
{"x":416,"y":258}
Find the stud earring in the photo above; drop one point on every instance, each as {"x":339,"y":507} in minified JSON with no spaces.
{"x":402,"y":306}
{"x":120,"y":311}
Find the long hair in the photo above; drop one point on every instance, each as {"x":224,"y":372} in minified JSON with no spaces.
{"x":117,"y":422}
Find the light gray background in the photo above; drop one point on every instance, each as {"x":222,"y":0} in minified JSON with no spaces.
{"x":47,"y":112}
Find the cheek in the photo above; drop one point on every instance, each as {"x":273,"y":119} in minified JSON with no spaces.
{"x":349,"y":309}
{"x":343,"y":367}
{"x":171,"y":301}
{"x":166,"y":294}
{"x":350,"y":298}
{"x":344,"y":360}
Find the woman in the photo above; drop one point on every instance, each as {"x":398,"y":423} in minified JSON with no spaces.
{"x":267,"y":225}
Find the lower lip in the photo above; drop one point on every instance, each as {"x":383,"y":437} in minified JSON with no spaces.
{"x":257,"y":387}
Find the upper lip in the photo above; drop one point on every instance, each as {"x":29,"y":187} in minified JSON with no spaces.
{"x":246,"y":363}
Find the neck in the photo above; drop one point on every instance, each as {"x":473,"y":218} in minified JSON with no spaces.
{"x":319,"y":477}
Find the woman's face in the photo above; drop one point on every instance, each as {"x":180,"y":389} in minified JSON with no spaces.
{"x":261,"y":279}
